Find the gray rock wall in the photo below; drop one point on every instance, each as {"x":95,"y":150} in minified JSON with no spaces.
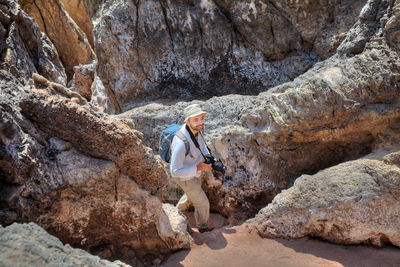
{"x":197,"y":49}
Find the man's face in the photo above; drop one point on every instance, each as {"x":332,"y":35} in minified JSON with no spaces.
{"x":197,"y":122}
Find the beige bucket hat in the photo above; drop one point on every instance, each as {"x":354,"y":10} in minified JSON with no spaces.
{"x":193,"y":111}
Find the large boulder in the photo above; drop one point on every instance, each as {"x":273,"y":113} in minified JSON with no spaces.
{"x":95,"y":134}
{"x":196,"y":49}
{"x":341,"y":109}
{"x":38,"y":248}
{"x":82,"y":175}
{"x":24,"y":49}
{"x":351,"y":203}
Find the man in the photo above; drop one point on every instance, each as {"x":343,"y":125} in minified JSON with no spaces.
{"x":186,"y":169}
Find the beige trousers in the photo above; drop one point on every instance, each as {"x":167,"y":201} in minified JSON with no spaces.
{"x":194,"y":194}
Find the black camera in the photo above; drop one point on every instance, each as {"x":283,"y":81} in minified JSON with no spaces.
{"x":216,"y":164}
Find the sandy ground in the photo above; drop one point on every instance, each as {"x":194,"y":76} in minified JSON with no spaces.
{"x":235,"y":246}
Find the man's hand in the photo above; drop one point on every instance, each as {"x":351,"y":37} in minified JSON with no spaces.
{"x":202,"y":167}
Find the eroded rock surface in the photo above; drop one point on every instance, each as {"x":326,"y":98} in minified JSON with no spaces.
{"x":41,"y":249}
{"x":351,"y":203}
{"x":341,"y":109}
{"x":94,"y":191}
{"x":78,"y":11}
{"x":23,"y":49}
{"x":197,"y":49}
{"x":91,"y":179}
{"x":70,"y":41}
{"x":98,"y":135}
{"x":84,"y":76}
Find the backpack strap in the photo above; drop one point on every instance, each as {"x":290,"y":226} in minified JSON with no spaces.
{"x":181,"y":136}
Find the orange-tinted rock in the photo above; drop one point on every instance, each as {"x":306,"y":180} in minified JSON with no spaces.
{"x":77,"y":11}
{"x":70,"y":41}
{"x":24,"y":50}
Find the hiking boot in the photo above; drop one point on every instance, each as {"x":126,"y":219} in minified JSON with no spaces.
{"x":203,"y":229}
{"x":189,"y":229}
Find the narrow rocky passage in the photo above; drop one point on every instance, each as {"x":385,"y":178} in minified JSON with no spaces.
{"x":303,"y":108}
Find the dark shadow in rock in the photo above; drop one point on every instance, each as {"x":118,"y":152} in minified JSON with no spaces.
{"x":174,"y":259}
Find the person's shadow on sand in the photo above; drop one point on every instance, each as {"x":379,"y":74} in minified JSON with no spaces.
{"x":214,"y":239}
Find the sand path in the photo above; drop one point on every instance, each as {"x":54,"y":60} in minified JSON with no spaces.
{"x":235,"y":246}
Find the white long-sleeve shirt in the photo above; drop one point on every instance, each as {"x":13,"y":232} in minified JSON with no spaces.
{"x":185,"y":167}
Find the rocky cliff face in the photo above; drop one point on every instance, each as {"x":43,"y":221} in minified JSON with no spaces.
{"x":95,"y":197}
{"x":332,"y":72}
{"x":341,"y":109}
{"x":198,"y":49}
{"x":84,"y":176}
{"x":24,"y":49}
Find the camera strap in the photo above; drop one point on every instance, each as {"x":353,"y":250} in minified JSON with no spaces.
{"x":216,"y":165}
{"x":209,"y":150}
{"x":195,"y":141}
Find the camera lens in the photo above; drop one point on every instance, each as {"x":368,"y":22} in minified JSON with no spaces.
{"x":218,"y":166}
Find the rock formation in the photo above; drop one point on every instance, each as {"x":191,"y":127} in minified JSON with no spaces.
{"x":77,"y":10}
{"x":351,"y":203}
{"x":83,"y":80}
{"x":341,"y":109}
{"x":71,"y":42}
{"x":197,"y":49}
{"x":332,"y":72}
{"x":85,"y":177}
{"x":24,"y":50}
{"x":41,"y":249}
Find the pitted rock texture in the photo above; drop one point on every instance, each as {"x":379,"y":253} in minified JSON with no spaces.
{"x":24,"y":49}
{"x":30,"y":245}
{"x":90,"y":178}
{"x":83,"y":79}
{"x":341,"y":109}
{"x":84,"y":176}
{"x":96,"y":134}
{"x":351,"y":203}
{"x":70,"y":41}
{"x":197,"y":49}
